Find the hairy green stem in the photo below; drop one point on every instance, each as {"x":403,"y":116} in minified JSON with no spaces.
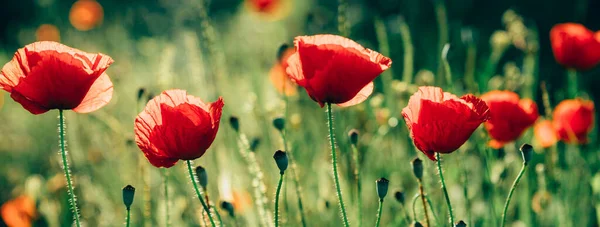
{"x":128,"y":217}
{"x":379,"y":213}
{"x":277,"y":199}
{"x":422,"y":193}
{"x":166,"y":190}
{"x":66,"y":169}
{"x":205,"y":190}
{"x":334,"y":165}
{"x":439,"y":167}
{"x":356,"y":158}
{"x":510,"y":193}
{"x":193,"y":178}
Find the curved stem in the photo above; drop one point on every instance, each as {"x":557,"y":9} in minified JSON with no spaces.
{"x":334,"y":165}
{"x":166,"y":190}
{"x":293,"y":168}
{"x":439,"y":165}
{"x":193,"y":178}
{"x":422,"y":192}
{"x":379,"y":213}
{"x":358,"y":185}
{"x":512,"y":190}
{"x":277,"y":199}
{"x":407,"y":216}
{"x":211,"y":206}
{"x":128,"y":217}
{"x":66,"y":169}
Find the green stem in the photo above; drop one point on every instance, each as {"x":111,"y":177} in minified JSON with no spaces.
{"x":572,"y":82}
{"x":205,"y":190}
{"x":277,"y":199}
{"x":407,"y":216}
{"x":414,"y":202}
{"x":334,"y":165}
{"x":439,"y":166}
{"x":442,"y":20}
{"x":422,"y":193}
{"x":128,"y":217}
{"x":466,"y":195}
{"x":356,"y":157}
{"x":379,"y":213}
{"x":66,"y":169}
{"x":193,"y":178}
{"x":407,"y":70}
{"x":166,"y":190}
{"x":510,"y":193}
{"x":342,"y":23}
{"x":294,"y":171}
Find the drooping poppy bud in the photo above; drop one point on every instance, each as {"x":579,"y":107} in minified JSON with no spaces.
{"x":176,"y":126}
{"x":441,"y":122}
{"x":334,"y":69}
{"x":228,"y":207}
{"x":575,"y":46}
{"x":202,"y":176}
{"x":49,"y":75}
{"x":382,"y":187}
{"x":279,"y":123}
{"x":573,"y":120}
{"x":417,"y":224}
{"x":417,"y":166}
{"x":254,"y":144}
{"x":510,"y":116}
{"x":140,"y":94}
{"x":526,"y":152}
{"x":544,"y":133}
{"x":353,"y":135}
{"x":399,"y":195}
{"x":460,"y":223}
{"x":281,"y":160}
{"x":128,"y":193}
{"x":235,"y":123}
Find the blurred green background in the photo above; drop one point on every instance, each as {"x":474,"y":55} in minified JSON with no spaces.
{"x":165,"y":44}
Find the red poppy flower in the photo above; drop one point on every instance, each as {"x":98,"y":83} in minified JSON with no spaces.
{"x":575,"y":46}
{"x":334,"y":69}
{"x":281,"y":81}
{"x":544,"y":133}
{"x":441,"y":122}
{"x":48,"y":75}
{"x":573,"y":120}
{"x":18,"y":212}
{"x":176,"y":126}
{"x":509,"y":116}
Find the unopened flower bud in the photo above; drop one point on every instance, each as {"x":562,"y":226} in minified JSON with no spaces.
{"x":141,"y":93}
{"x":417,"y":224}
{"x":353,"y":135}
{"x":282,"y":50}
{"x":527,"y":152}
{"x":279,"y":123}
{"x":254,"y":144}
{"x":228,"y":207}
{"x":460,"y":224}
{"x":235,"y":123}
{"x":128,"y":193}
{"x":417,"y":165}
{"x":202,"y":176}
{"x":399,"y":195}
{"x":382,"y":187}
{"x":281,"y":160}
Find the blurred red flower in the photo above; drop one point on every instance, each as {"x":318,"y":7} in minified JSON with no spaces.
{"x":575,"y":46}
{"x":265,"y":6}
{"x":334,"y":69}
{"x":176,"y":126}
{"x":49,"y":75}
{"x":544,"y":133}
{"x":281,"y":81}
{"x":441,"y":122}
{"x":18,"y":212}
{"x":573,"y":120}
{"x":510,"y":116}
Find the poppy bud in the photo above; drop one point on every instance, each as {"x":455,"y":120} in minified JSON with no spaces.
{"x":527,"y":152}
{"x":417,"y":224}
{"x":228,"y":207}
{"x":417,"y":165}
{"x":202,"y":176}
{"x":141,"y":93}
{"x":254,"y":144}
{"x":281,"y":51}
{"x":399,"y":195}
{"x":128,"y":193}
{"x":382,"y":187}
{"x":281,"y":160}
{"x":235,"y":123}
{"x":279,"y":123}
{"x":353,"y":135}
{"x":460,"y":224}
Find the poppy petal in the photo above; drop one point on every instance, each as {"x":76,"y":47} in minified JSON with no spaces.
{"x":362,"y":95}
{"x":98,"y":96}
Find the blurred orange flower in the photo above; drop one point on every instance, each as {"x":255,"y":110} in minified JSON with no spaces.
{"x":510,"y":116}
{"x":86,"y":14}
{"x":241,"y":201}
{"x":47,"y":32}
{"x":18,"y":212}
{"x":573,"y":120}
{"x":281,"y":81}
{"x":544,"y":133}
{"x":575,"y":46}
